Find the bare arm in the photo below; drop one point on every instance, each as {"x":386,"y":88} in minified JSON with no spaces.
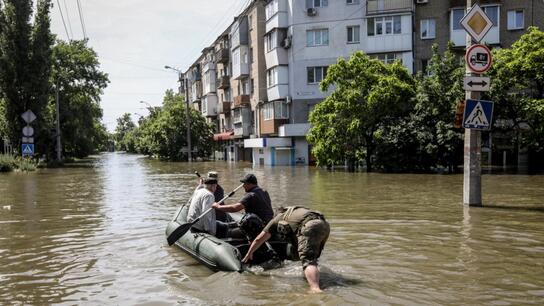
{"x":229,"y":208}
{"x":261,"y":238}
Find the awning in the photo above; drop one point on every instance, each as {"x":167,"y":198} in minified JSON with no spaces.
{"x":223,"y":136}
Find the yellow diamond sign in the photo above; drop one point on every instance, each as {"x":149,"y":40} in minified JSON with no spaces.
{"x":476,"y":23}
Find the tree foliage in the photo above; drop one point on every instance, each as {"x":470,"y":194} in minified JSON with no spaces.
{"x":25,"y":65}
{"x":162,"y":133}
{"x":125,"y":125}
{"x":80,"y":82}
{"x":367,"y":94}
{"x":518,"y":88}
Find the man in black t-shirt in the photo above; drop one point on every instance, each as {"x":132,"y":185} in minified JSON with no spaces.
{"x":256,"y":200}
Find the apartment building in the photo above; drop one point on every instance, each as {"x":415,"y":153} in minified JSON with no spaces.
{"x":438,"y":21}
{"x":302,"y":39}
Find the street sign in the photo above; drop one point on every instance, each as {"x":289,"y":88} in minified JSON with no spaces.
{"x":476,"y":23}
{"x":478,"y":114}
{"x":28,"y":131}
{"x":28,"y":149}
{"x":478,"y":58}
{"x":471,"y":83}
{"x":28,"y":116}
{"x":28,"y":139}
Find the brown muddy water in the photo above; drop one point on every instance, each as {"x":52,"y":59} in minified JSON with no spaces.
{"x":93,"y":234}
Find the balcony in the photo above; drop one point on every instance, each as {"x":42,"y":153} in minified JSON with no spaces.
{"x":296,"y":129}
{"x":224,"y":107}
{"x":222,"y":55}
{"x":240,"y":101}
{"x":374,"y":7}
{"x":224,"y":82}
{"x":209,"y":106}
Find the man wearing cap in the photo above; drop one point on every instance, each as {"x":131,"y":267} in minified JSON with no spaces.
{"x":202,"y":199}
{"x":218,"y":194}
{"x":256,"y":200}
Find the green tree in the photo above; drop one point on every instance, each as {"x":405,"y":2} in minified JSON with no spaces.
{"x":124,"y":126}
{"x":518,"y":89}
{"x":25,"y":65}
{"x":80,"y":82}
{"x":367,"y":94}
{"x":163,"y":133}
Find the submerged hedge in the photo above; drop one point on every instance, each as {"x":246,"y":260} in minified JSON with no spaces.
{"x":9,"y":163}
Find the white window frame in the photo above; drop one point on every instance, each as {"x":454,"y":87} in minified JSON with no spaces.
{"x":385,"y":23}
{"x":428,"y":28}
{"x":318,"y":74}
{"x":268,"y":111}
{"x":511,"y":24}
{"x":271,"y":9}
{"x":271,"y":41}
{"x":313,"y":35}
{"x":272,"y":77}
{"x":458,"y":26}
{"x":388,"y":58}
{"x":281,"y":110}
{"x":354,"y":39}
{"x":497,"y":17}
{"x":351,"y":2}
{"x":317,"y":3}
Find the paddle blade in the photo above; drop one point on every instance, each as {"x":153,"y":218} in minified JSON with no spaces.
{"x":178,"y":232}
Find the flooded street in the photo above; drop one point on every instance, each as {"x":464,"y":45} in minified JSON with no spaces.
{"x":94,"y":234}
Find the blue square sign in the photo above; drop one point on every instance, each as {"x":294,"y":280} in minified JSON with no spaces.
{"x":478,"y":114}
{"x":28,"y":149}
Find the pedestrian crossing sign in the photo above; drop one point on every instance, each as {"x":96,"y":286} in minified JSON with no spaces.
{"x":28,"y":149}
{"x":478,"y":114}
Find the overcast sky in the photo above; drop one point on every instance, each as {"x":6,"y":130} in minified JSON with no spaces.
{"x":135,"y":39}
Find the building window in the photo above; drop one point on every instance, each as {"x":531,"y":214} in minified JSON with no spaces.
{"x":428,"y":28}
{"x":245,"y":87}
{"x":251,"y":55}
{"x":515,"y":20}
{"x":276,"y":110}
{"x":317,"y":37}
{"x":456,"y":16}
{"x":493,"y":13}
{"x":388,"y":58}
{"x":271,"y":41}
{"x":384,"y":25}
{"x":354,"y":34}
{"x":317,"y":3}
{"x":352,"y":2}
{"x":272,"y":77}
{"x":252,"y":86}
{"x":271,"y":9}
{"x":316,"y":74}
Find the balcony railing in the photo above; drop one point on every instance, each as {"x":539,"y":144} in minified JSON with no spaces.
{"x":222,"y":55}
{"x":388,"y":6}
{"x":224,"y":107}
{"x":224,"y":82}
{"x":241,"y":100}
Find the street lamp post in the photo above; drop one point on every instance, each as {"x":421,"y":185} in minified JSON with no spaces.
{"x":187,"y":115}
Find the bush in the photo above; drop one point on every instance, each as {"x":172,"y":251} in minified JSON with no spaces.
{"x":7,"y":163}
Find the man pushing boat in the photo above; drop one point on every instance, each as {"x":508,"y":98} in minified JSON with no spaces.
{"x":304,"y":228}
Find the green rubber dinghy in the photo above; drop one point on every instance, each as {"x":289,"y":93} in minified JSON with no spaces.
{"x":224,"y":254}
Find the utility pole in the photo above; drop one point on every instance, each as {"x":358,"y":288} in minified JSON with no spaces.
{"x":183,"y":91}
{"x":57,"y":105}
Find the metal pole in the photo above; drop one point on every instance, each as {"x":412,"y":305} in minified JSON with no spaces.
{"x":187,"y":116}
{"x":472,"y":174}
{"x":57,"y":102}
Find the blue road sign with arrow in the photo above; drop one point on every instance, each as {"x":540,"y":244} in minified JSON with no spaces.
{"x":478,"y":114}
{"x":28,"y":149}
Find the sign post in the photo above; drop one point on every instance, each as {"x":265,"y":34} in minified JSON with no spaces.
{"x":478,"y":60}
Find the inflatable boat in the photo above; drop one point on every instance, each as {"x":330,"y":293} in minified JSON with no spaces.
{"x":225,"y":254}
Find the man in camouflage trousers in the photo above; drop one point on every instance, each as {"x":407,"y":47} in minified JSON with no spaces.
{"x":305,"y":228}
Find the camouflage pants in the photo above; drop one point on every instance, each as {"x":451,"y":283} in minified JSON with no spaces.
{"x":311,"y":239}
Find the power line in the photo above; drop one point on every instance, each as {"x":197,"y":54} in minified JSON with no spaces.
{"x":68,"y":18}
{"x":63,"y":22}
{"x":83,"y":27}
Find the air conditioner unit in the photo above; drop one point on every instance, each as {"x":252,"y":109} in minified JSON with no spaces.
{"x":286,"y":43}
{"x":311,"y":11}
{"x":422,"y":1}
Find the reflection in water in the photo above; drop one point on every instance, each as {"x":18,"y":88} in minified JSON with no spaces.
{"x":95,"y":235}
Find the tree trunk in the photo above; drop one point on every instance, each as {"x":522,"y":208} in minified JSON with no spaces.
{"x":369,"y":150}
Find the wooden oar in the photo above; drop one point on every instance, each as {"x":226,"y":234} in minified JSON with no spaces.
{"x":184,"y":228}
